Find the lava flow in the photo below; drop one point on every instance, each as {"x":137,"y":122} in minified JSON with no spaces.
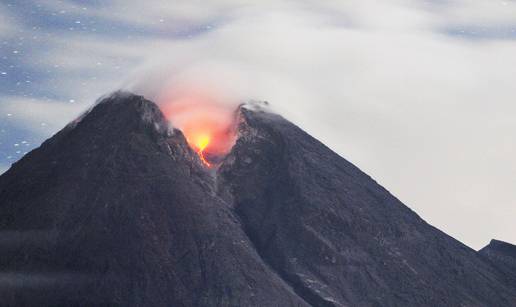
{"x":207,"y":124}
{"x":201,"y":142}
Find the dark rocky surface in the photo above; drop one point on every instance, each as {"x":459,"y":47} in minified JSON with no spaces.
{"x":117,"y":210}
{"x":503,"y":256}
{"x":337,"y":236}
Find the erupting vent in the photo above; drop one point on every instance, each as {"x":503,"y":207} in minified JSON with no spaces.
{"x":199,"y":142}
{"x":207,"y":124}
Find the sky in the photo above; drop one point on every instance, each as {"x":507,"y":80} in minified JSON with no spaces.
{"x":421,"y":95}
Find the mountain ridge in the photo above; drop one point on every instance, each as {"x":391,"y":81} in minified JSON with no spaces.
{"x":119,"y":199}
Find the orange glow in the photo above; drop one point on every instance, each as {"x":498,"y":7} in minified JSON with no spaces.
{"x":200,"y":142}
{"x":207,"y":124}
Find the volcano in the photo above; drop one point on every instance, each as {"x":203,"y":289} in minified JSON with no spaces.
{"x":117,"y":209}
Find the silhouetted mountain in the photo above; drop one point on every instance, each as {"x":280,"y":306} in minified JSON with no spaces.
{"x":116,"y":209}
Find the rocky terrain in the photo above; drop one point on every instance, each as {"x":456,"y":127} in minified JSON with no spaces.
{"x":116,"y":209}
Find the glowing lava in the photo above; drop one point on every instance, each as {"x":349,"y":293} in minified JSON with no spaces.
{"x":201,"y":141}
{"x":207,"y":124}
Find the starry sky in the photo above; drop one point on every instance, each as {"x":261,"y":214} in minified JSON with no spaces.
{"x":418,"y":94}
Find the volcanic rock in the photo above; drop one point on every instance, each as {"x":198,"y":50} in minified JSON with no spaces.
{"x":503,"y":256}
{"x":116,"y":209}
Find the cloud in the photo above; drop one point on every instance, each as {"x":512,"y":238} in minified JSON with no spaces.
{"x":481,"y":12}
{"x":6,"y":24}
{"x":404,"y":89}
{"x":425,"y":113}
{"x":41,"y":116}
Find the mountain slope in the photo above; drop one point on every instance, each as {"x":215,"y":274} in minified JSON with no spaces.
{"x":503,"y":256}
{"x":116,"y":209}
{"x":127,"y":207}
{"x":339,"y":237}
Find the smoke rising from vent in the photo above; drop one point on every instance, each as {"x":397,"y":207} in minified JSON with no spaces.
{"x":206,"y":118}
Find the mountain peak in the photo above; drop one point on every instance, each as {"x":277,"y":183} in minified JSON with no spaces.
{"x":503,"y":256}
{"x":502,"y":245}
{"x":124,"y":110}
{"x":122,"y":204}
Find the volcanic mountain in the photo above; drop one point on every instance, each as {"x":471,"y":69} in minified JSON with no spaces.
{"x":117,"y":210}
